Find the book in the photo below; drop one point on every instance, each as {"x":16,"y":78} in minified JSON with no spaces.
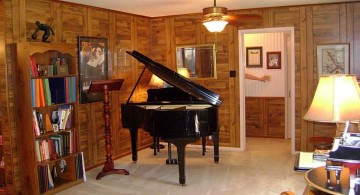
{"x":36,"y":124}
{"x":49,"y":177}
{"x":40,"y":120}
{"x":64,"y":113}
{"x":33,"y":91}
{"x":33,"y":67}
{"x":57,"y":89}
{"x":37,"y":150}
{"x":37,"y":94}
{"x":307,"y":162}
{"x":48,"y":125}
{"x":41,"y":93}
{"x":47,"y":92}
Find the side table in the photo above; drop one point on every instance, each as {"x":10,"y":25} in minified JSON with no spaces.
{"x":316,"y":181}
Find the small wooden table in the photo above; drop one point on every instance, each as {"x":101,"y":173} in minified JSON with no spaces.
{"x":316,"y":180}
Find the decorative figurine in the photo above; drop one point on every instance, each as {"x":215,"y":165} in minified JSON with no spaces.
{"x":43,"y":27}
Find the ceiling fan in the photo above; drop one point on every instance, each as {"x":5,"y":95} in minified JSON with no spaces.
{"x":217,"y":13}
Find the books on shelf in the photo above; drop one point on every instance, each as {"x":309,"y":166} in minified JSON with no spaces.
{"x":46,"y":181}
{"x":48,"y":91}
{"x":62,"y":144}
{"x":80,"y":166}
{"x":50,"y":177}
{"x":306,"y":161}
{"x":60,"y":120}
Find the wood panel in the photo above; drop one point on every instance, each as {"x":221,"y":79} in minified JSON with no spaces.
{"x":265,"y":117}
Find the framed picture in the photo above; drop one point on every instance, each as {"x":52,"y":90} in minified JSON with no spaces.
{"x":273,"y":60}
{"x":93,"y":65}
{"x":254,"y":57}
{"x":333,"y":59}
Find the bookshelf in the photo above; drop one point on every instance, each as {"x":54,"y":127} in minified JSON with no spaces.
{"x":46,"y":107}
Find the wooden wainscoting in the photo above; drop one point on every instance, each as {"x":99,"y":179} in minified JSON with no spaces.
{"x":265,"y":116}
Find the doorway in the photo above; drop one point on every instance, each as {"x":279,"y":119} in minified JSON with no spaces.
{"x":288,"y":84}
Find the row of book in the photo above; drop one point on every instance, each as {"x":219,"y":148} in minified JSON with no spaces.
{"x":60,"y":120}
{"x":50,"y":177}
{"x":56,"y":145}
{"x":46,"y":181}
{"x":80,"y":166}
{"x":49,"y":91}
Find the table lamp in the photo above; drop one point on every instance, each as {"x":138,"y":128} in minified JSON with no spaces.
{"x":156,"y":82}
{"x":184,"y":72}
{"x":337,"y":100}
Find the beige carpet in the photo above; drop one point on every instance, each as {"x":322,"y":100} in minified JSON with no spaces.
{"x":265,"y":168}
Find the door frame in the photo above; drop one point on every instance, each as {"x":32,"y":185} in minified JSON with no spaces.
{"x":289,"y":84}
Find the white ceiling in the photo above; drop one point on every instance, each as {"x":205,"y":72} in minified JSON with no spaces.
{"x":153,"y":8}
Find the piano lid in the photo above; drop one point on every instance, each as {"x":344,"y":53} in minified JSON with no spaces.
{"x":177,"y":80}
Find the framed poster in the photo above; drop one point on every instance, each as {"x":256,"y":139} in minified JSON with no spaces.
{"x":93,"y":65}
{"x":273,"y":60}
{"x":333,"y":59}
{"x":254,"y":57}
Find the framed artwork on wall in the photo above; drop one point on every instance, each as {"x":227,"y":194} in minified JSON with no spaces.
{"x":333,"y":59}
{"x":273,"y":60}
{"x":93,"y":65}
{"x":253,"y":57}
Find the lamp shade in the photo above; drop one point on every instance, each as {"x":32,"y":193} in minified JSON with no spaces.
{"x":184,"y":72}
{"x":215,"y":25}
{"x":156,"y":82}
{"x":337,"y":99}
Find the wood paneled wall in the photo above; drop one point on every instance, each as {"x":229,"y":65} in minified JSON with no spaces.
{"x":314,"y":24}
{"x":158,"y":38}
{"x":265,"y":117}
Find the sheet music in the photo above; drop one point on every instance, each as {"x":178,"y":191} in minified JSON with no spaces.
{"x":306,"y":161}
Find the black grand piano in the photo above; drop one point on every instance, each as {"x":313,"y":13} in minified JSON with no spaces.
{"x":177,"y":122}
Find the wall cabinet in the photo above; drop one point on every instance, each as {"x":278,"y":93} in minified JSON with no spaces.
{"x":265,"y":116}
{"x":46,"y":111}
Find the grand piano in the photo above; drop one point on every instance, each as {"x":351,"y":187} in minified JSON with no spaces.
{"x":176,"y":122}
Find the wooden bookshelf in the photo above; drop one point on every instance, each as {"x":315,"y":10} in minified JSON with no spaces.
{"x":2,"y":167}
{"x":39,"y":155}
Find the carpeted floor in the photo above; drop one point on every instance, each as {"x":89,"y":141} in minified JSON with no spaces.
{"x":265,"y":168}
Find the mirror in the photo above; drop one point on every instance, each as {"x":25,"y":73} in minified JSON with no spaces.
{"x":199,"y":60}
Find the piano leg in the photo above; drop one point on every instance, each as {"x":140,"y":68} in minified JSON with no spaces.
{"x":154,"y":144}
{"x":203,"y":140}
{"x":134,"y":135}
{"x":180,"y":146}
{"x":216,"y":145}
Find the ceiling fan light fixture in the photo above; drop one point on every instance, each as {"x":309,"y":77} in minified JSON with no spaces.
{"x":213,"y":11}
{"x":215,"y":25}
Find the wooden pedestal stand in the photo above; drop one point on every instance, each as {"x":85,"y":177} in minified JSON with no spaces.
{"x":105,"y":86}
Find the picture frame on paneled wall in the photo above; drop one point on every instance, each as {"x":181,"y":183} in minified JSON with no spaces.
{"x":253,"y":57}
{"x":333,"y":59}
{"x":273,"y":60}
{"x":93,"y":65}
